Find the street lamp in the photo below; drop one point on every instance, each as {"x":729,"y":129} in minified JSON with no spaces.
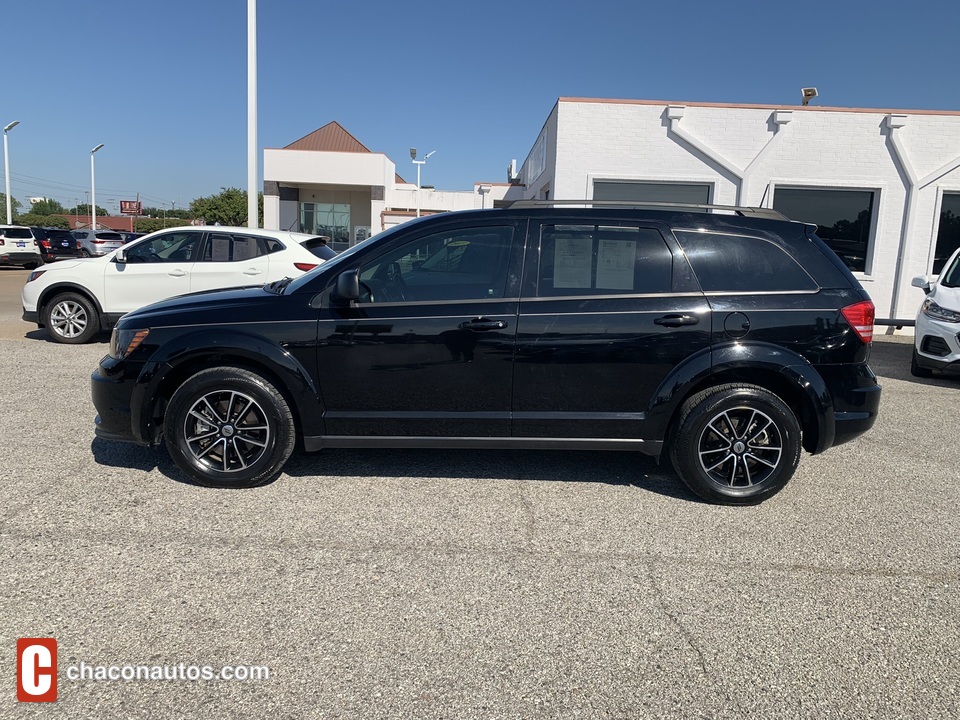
{"x":6,"y":168}
{"x":93,"y":191}
{"x":418,"y":163}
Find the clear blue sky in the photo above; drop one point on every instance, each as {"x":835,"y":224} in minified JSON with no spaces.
{"x":163,"y":84}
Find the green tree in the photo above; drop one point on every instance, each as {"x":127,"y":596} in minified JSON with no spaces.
{"x":180,"y":213}
{"x":14,"y":208}
{"x":227,"y":208}
{"x":148,"y":225}
{"x":47,"y":207}
{"x":84,"y":209}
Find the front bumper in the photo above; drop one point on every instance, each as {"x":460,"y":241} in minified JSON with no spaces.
{"x":111,"y":392}
{"x":937,"y":345}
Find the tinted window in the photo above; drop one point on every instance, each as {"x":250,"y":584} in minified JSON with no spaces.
{"x":171,"y":247}
{"x":598,"y":260}
{"x":18,"y":233}
{"x":456,"y":264}
{"x":109,"y":236}
{"x":843,"y":219}
{"x":948,"y":233}
{"x":230,"y":247}
{"x":734,"y":263}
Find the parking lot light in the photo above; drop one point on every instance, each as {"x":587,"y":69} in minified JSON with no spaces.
{"x":93,"y":191}
{"x":6,"y":168}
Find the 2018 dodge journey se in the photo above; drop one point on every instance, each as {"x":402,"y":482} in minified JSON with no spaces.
{"x":725,"y":339}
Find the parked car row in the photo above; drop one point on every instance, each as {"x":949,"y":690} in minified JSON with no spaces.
{"x":76,"y":299}
{"x":937,"y":340}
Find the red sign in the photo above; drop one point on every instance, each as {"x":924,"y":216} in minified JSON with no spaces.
{"x":36,"y":669}
{"x":131,"y":207}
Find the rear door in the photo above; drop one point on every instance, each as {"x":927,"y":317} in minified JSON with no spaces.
{"x":233,"y":260}
{"x":604,"y":317}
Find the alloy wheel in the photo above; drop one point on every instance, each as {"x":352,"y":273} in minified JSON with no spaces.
{"x":68,"y":319}
{"x":740,"y":447}
{"x":226,"y":431}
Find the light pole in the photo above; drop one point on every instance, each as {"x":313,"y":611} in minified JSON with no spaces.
{"x":6,"y":168}
{"x":93,"y":191}
{"x":418,"y":163}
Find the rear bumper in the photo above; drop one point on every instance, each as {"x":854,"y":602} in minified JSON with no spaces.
{"x":856,"y":399}
{"x":20,"y":258}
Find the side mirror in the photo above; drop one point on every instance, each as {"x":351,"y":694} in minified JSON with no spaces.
{"x":120,"y":257}
{"x":923,"y":282}
{"x":348,"y":286}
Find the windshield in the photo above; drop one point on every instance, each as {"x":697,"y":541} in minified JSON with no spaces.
{"x":951,"y":276}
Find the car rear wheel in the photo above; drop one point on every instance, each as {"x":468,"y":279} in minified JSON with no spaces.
{"x":84,"y":253}
{"x":229,"y":427}
{"x":71,"y":318}
{"x":736,"y":444}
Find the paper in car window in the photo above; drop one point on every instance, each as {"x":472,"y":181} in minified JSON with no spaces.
{"x":615,"y":264}
{"x":244,"y":248}
{"x":572,"y":261}
{"x":220,"y":248}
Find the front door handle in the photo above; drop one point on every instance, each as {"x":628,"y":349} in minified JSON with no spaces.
{"x":676,"y":320}
{"x":252,"y":271}
{"x":177,"y":273}
{"x":481,"y":324}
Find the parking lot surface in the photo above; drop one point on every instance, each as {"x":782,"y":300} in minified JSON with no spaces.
{"x":437,"y":584}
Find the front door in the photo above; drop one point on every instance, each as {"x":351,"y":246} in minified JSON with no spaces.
{"x":154,"y":270}
{"x":428,"y":349}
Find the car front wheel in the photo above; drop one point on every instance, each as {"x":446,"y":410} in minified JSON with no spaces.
{"x":71,"y":318}
{"x":229,"y":427}
{"x":736,"y":444}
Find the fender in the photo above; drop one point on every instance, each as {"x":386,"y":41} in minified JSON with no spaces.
{"x":197,"y":347}
{"x":736,"y":361}
{"x":67,"y":286}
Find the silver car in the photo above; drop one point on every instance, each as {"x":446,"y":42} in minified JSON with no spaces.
{"x":96,"y":243}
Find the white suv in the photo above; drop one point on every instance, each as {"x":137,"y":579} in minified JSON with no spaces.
{"x":937,"y":343}
{"x":75,"y":299}
{"x":18,"y":246}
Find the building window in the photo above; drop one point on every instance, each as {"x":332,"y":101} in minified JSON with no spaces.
{"x":330,"y":219}
{"x":649,"y":192}
{"x":844,"y":219}
{"x":948,"y":236}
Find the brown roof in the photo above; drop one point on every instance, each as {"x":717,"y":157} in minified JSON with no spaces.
{"x":332,"y":138}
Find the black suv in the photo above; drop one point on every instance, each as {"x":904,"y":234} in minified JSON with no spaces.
{"x":56,"y":244}
{"x":727,"y":340}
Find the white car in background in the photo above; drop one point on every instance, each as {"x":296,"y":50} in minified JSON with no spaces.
{"x":937,"y":343}
{"x":75,"y":299}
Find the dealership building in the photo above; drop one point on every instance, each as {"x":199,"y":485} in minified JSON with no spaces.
{"x":883,"y":186}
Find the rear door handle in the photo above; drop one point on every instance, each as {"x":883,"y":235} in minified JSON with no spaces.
{"x":481,"y":324}
{"x":676,"y":320}
{"x":252,"y":271}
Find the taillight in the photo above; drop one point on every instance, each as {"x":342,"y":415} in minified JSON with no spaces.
{"x":99,"y":242}
{"x":45,"y":243}
{"x":860,"y":316}
{"x":1,"y":241}
{"x":304,"y":266}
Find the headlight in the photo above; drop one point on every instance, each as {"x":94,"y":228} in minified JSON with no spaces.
{"x":124,"y":342}
{"x":932,"y":310}
{"x":35,"y":274}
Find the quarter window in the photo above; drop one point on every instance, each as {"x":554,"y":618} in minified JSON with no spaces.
{"x":844,"y":219}
{"x":740,"y":264}
{"x":599,"y":260}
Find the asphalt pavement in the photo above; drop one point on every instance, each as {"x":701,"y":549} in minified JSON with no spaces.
{"x":437,"y":584}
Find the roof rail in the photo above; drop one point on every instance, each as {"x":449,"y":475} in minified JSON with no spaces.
{"x":743,"y":211}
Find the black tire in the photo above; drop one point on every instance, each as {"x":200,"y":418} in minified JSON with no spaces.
{"x":71,"y":318}
{"x":33,"y":266}
{"x":735,"y":444}
{"x":229,"y":427}
{"x":84,"y":253}
{"x":916,"y":370}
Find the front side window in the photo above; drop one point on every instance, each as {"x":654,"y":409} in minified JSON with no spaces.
{"x":741,"y":264}
{"x":597,"y":260}
{"x":844,"y":219}
{"x":170,"y":247}
{"x":461,"y":264}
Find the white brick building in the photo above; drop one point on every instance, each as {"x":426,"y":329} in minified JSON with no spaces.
{"x":883,"y":185}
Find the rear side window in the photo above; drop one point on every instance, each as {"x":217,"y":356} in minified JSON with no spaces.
{"x":741,"y":264}
{"x":230,"y":247}
{"x":600,"y":260}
